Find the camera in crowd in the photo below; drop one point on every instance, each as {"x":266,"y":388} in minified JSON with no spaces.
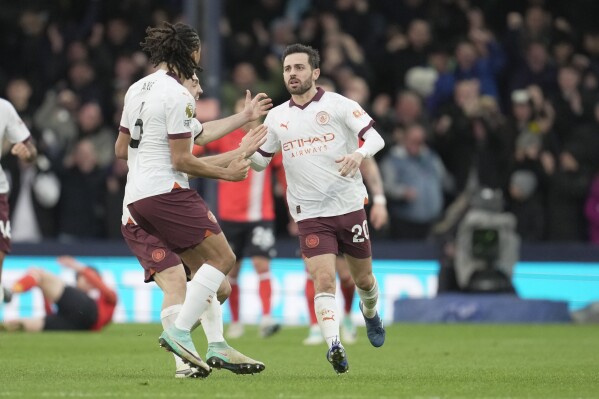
{"x":487,"y":245}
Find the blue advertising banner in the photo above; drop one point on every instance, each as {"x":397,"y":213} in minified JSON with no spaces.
{"x":576,"y":283}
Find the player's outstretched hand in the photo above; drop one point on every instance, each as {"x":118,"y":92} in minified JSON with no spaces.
{"x":350,"y":164}
{"x":239,"y":168}
{"x":256,"y":107}
{"x":253,"y":140}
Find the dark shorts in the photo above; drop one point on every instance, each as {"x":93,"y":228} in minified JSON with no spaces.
{"x":250,"y":238}
{"x":180,"y":219}
{"x":76,"y":311}
{"x":151,"y":252}
{"x":331,"y":235}
{"x":5,"y":224}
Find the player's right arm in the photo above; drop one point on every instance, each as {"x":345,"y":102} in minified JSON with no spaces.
{"x":184,"y":161}
{"x":262,"y":157}
{"x":121,"y":146}
{"x":250,"y":143}
{"x":253,"y":110}
{"x":178,"y":113}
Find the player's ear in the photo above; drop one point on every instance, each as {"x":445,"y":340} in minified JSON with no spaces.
{"x":315,"y":74}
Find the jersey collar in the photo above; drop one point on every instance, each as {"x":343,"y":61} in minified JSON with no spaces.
{"x":172,"y":75}
{"x":317,"y":96}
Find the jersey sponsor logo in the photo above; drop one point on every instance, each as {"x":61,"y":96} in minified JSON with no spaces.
{"x":358,"y":113}
{"x":158,"y":254}
{"x":312,"y":241}
{"x":211,"y":217}
{"x":285,"y":125}
{"x":189,"y":110}
{"x":323,"y":118}
{"x":308,"y":142}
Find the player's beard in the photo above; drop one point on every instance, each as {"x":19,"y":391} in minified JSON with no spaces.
{"x":301,"y":89}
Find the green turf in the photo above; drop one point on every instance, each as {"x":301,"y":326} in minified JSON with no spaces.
{"x":417,"y":361}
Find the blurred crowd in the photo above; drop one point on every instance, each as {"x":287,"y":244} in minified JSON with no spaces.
{"x":467,"y":94}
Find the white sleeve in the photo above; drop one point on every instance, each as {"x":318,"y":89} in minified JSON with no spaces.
{"x":259,"y":162}
{"x":196,"y":128}
{"x":355,"y":118}
{"x":15,"y":128}
{"x":124,"y":126}
{"x":261,"y":158}
{"x":373,"y":143}
{"x":179,"y":114}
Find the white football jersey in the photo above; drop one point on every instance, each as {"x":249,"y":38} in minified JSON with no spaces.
{"x":14,"y":130}
{"x":131,"y":155}
{"x":157,"y":109}
{"x":311,"y":137}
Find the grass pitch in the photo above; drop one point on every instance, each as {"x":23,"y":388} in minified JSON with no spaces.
{"x":417,"y":361}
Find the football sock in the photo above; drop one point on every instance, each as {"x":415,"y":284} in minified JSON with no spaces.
{"x":24,"y":284}
{"x":326,"y":311}
{"x":201,"y":290}
{"x":348,"y":289}
{"x":234,"y":300}
{"x":310,"y":301}
{"x":265,"y":291}
{"x":212,"y":322}
{"x":369,"y":300}
{"x":167,"y":318}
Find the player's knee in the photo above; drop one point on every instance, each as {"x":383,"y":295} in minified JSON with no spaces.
{"x":227,"y":261}
{"x":364,"y":282}
{"x":325,"y":283}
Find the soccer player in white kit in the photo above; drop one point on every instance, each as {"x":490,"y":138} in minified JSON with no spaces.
{"x":155,"y":257}
{"x":318,"y":134}
{"x":162,"y":203}
{"x":15,"y":132}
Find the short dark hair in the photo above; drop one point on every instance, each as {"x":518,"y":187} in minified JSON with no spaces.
{"x":313,"y":56}
{"x":172,"y":44}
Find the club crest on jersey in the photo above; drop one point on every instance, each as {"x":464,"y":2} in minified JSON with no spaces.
{"x":189,"y":110}
{"x":323,"y":118}
{"x":312,"y":241}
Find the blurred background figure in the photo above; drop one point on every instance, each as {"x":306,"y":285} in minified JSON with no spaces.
{"x":415,"y":180}
{"x":68,"y":308}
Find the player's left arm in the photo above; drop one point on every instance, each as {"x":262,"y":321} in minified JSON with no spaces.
{"x":254,"y":109}
{"x":372,"y":177}
{"x":357,"y":120}
{"x":18,"y":133}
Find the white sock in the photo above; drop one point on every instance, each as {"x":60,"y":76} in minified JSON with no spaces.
{"x":325,"y":307}
{"x":212,"y":322}
{"x":201,"y":290}
{"x":168,"y":317}
{"x":369,"y":300}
